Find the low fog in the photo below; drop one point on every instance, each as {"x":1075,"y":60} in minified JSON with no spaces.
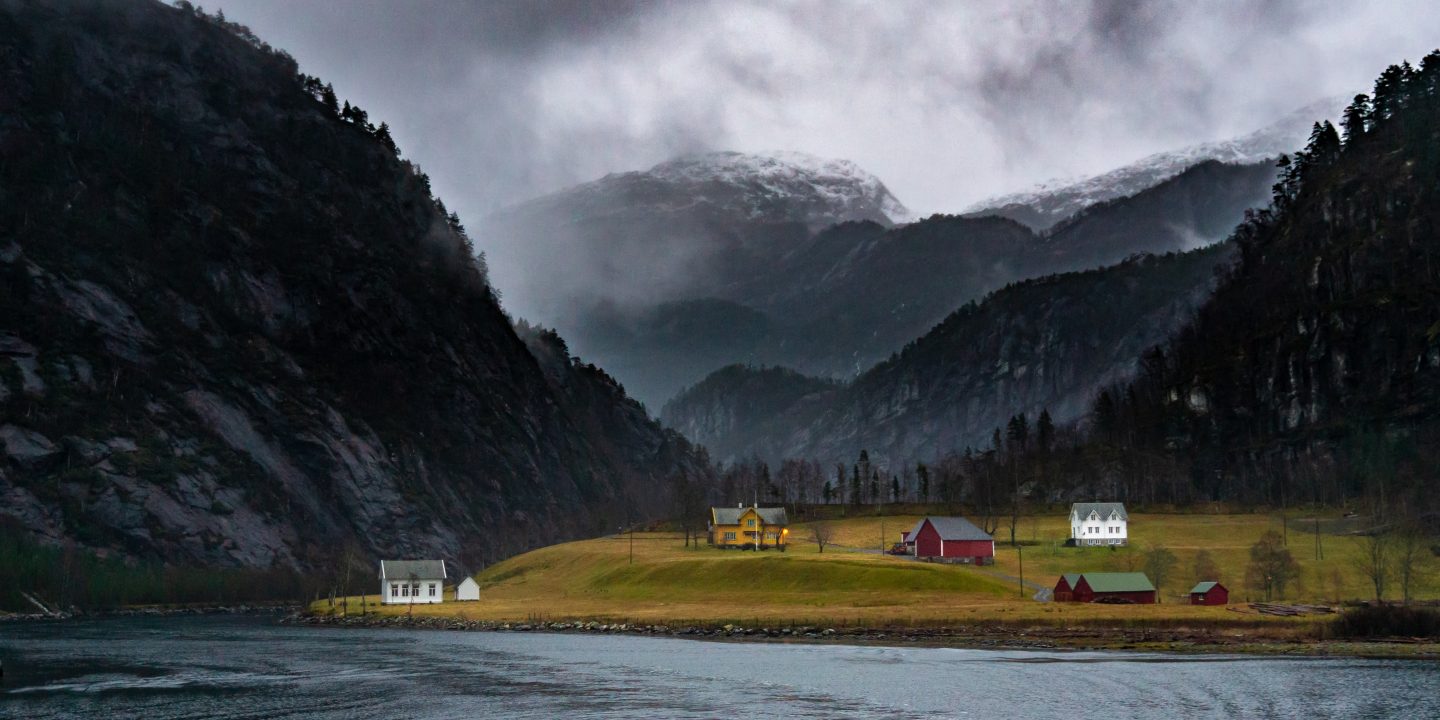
{"x":947,"y":103}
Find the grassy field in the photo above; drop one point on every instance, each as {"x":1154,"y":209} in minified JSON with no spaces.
{"x":669,"y":583}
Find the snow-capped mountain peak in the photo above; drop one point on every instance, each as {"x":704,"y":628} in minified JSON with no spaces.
{"x":1050,"y":202}
{"x":826,"y":190}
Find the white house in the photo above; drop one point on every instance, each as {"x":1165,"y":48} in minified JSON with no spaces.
{"x":409,"y":582}
{"x":468,"y":589}
{"x":1099,"y":524}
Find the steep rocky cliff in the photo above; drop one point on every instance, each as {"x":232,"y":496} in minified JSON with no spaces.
{"x":1050,"y":343}
{"x":236,"y":329}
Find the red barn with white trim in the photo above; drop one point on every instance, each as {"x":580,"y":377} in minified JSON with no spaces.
{"x":953,"y":538}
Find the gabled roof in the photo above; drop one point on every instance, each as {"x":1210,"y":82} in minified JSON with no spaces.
{"x":952,"y":528}
{"x":731,"y":516}
{"x":417,"y":569}
{"x":1071,"y":579}
{"x":1118,"y":582}
{"x":1204,"y":587}
{"x":1105,"y":510}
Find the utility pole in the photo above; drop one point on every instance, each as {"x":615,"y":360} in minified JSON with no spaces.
{"x":632,"y":543}
{"x":1021,"y":550}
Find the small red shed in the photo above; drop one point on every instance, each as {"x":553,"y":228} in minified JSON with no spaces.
{"x":952,"y":538}
{"x":1131,"y":587}
{"x":1209,"y":593}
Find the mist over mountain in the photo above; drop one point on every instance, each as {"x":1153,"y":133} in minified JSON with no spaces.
{"x":685,"y":229}
{"x":239,"y":329}
{"x":778,"y":262}
{"x":1045,"y":344}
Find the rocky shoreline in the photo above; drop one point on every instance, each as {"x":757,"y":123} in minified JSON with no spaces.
{"x":992,"y":636}
{"x":152,"y":611}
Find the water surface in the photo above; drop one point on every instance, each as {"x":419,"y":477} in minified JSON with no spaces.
{"x":226,"y":667}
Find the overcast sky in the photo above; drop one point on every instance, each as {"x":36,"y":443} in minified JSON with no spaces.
{"x":947,"y":102}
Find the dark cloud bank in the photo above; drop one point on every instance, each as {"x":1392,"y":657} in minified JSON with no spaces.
{"x":947,"y":102}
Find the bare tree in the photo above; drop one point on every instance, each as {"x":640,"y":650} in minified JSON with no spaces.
{"x":1374,"y":560}
{"x":1159,"y":563}
{"x":1205,"y":567}
{"x":1272,"y":567}
{"x":821,"y":531}
{"x":1410,"y":552}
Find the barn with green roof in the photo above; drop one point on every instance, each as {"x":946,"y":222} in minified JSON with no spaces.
{"x":1105,"y":587}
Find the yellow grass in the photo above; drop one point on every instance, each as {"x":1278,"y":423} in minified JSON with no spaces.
{"x":1227,"y":537}
{"x":668,"y":583}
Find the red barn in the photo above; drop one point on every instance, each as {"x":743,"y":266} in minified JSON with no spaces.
{"x":953,"y":538}
{"x":1131,"y":587}
{"x":1209,"y":593}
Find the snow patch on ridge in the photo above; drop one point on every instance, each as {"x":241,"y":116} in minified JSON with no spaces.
{"x":1060,"y":198}
{"x":841,"y":186}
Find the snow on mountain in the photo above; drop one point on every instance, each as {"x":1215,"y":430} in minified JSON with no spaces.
{"x":824,"y":190}
{"x":1049,"y":203}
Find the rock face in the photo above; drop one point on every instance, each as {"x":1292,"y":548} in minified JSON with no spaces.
{"x":1049,"y":344}
{"x":238,"y":330}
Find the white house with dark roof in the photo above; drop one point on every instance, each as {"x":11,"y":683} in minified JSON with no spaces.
{"x":1104,"y":523}
{"x":412,"y":582}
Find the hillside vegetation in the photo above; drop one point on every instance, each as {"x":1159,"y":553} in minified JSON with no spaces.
{"x":240,"y":330}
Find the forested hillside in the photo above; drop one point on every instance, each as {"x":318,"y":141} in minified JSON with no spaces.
{"x":1314,"y":371}
{"x":237,"y":329}
{"x":1044,"y":344}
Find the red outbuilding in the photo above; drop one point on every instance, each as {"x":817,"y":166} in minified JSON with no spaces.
{"x":1209,"y":593}
{"x":953,"y":538}
{"x":1132,"y":587}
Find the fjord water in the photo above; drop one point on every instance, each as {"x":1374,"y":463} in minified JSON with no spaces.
{"x":165,"y":668}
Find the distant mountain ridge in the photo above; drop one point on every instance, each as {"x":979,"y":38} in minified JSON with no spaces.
{"x":1044,"y":344}
{"x":1048,"y":204}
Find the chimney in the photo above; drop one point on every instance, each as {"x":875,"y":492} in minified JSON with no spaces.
{"x":740,"y":506}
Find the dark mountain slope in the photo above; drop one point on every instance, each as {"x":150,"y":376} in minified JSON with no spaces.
{"x":238,"y":330}
{"x":1047,"y":343}
{"x":1196,"y":208}
{"x":1316,"y":366}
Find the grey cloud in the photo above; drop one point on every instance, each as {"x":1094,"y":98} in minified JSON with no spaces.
{"x":947,"y":102}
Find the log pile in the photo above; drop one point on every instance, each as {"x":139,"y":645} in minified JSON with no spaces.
{"x":1284,"y":610}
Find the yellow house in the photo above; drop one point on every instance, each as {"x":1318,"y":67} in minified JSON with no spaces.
{"x":745,"y":528}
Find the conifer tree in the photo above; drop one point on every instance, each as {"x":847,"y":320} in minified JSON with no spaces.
{"x":1356,"y":118}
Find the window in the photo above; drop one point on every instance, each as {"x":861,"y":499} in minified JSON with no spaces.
{"x":432,"y":589}
{"x":404,"y":591}
{"x":729,"y":536}
{"x":394,"y":589}
{"x":415,"y":589}
{"x":750,"y":523}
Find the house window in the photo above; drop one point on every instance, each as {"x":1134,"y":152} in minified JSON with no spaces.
{"x":415,"y":589}
{"x":729,"y":536}
{"x":394,"y":589}
{"x":750,"y":523}
{"x":432,"y":589}
{"x":404,"y":591}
